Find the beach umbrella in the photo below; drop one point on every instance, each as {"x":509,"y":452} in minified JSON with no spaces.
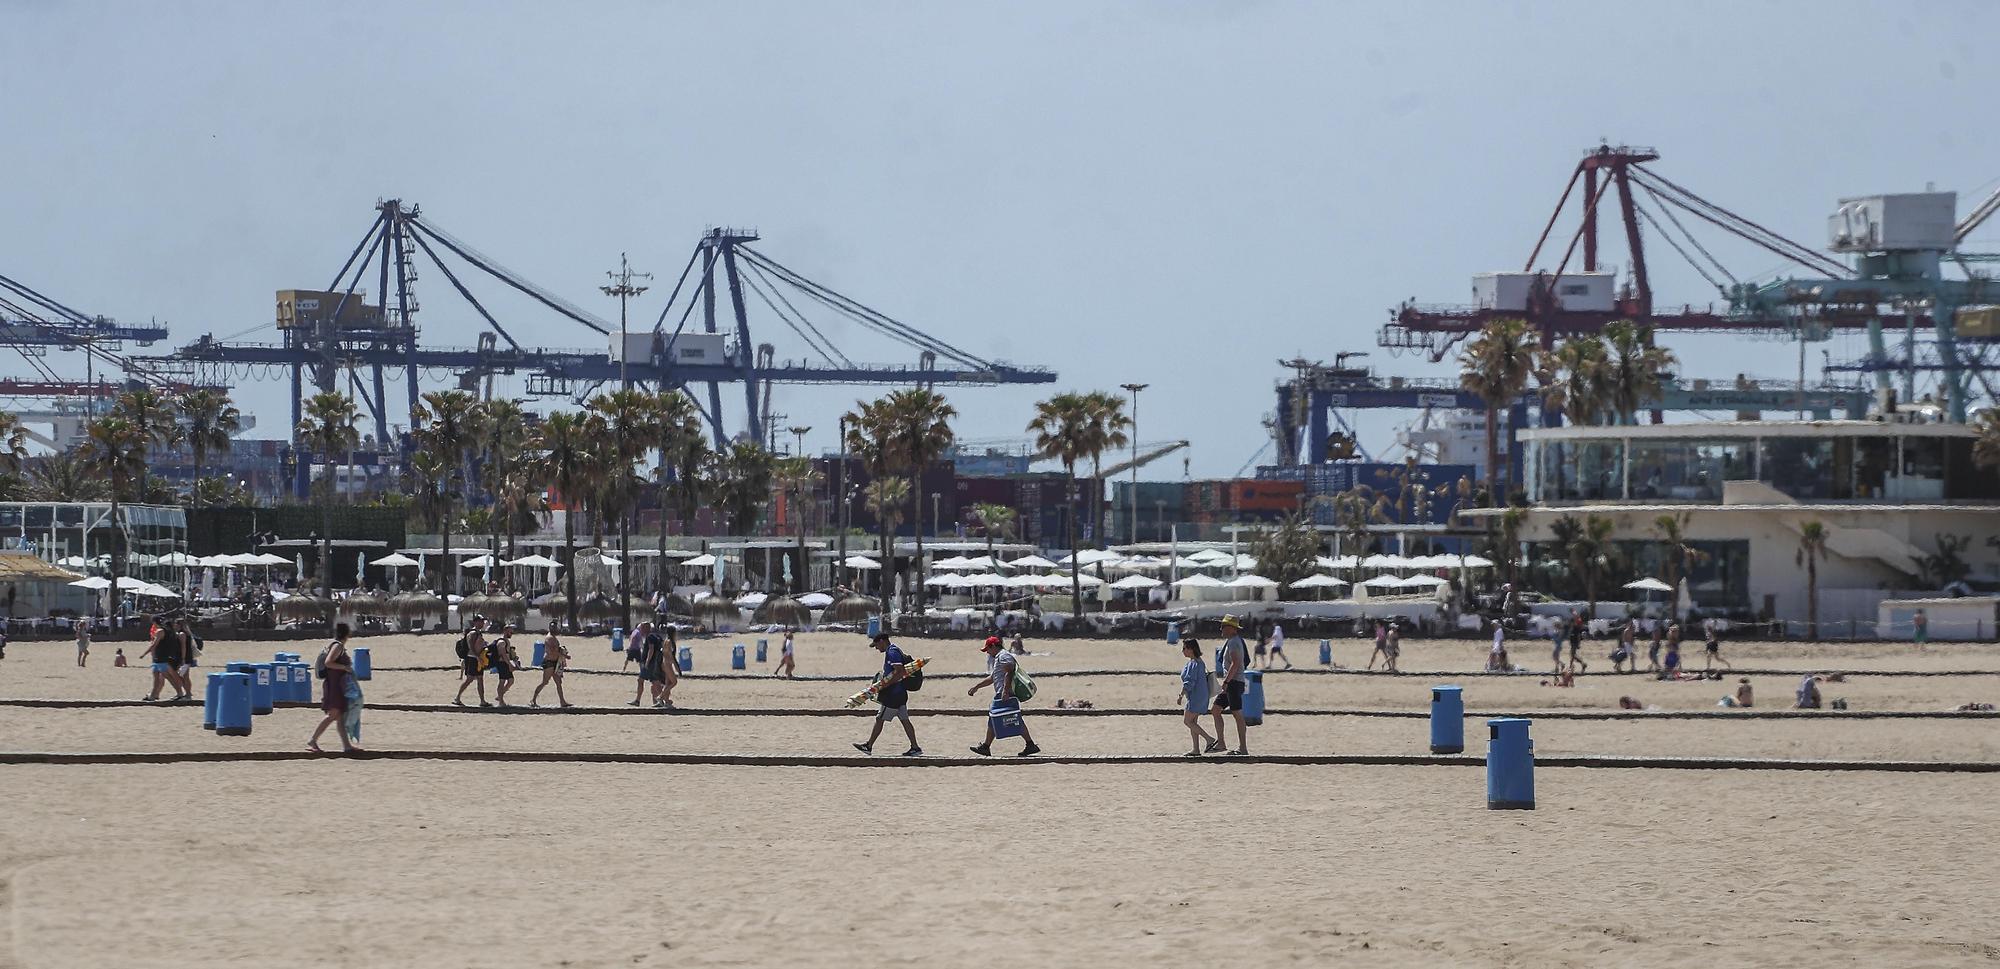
{"x":304,"y":608}
{"x":853,"y":608}
{"x":860,"y":562}
{"x":1030,"y":562}
{"x":536,"y":561}
{"x":600,"y":607}
{"x":477,"y":562}
{"x":394,"y":560}
{"x":675,"y":604}
{"x":472,"y":605}
{"x":1135,"y":582}
{"x":955,"y":562}
{"x":416,"y":605}
{"x":507,"y":608}
{"x":1199,"y":582}
{"x":1475,"y":562}
{"x":1649,"y":584}
{"x":1382,"y":561}
{"x":1416,"y":581}
{"x":1251,"y":581}
{"x":554,"y":607}
{"x":702,"y":561}
{"x":368,"y":604}
{"x":1319,"y":582}
{"x":783,"y":611}
{"x":815,"y":600}
{"x":944,"y":580}
{"x":751,"y":600}
{"x":1382,"y":581}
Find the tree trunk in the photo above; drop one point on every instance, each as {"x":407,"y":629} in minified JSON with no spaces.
{"x":326,"y":548}
{"x":1812,"y":596}
{"x":569,"y":564}
{"x":624,"y":569}
{"x":660,"y":564}
{"x":448,"y":574}
{"x":1075,"y":561}
{"x":117,"y":559}
{"x":917,"y":563}
{"x":1493,"y":494}
{"x":194,"y":492}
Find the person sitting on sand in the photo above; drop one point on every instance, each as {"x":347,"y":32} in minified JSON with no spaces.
{"x":1742,"y":696}
{"x":118,"y":659}
{"x":1808,"y":697}
{"x":1194,"y":695}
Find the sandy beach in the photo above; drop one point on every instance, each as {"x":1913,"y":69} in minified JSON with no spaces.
{"x":430,"y":862}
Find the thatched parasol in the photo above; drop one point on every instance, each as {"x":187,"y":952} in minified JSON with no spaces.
{"x":416,"y":605}
{"x":368,"y":604}
{"x":304,"y":608}
{"x":675,"y":604}
{"x":716,"y":611}
{"x":472,"y":605}
{"x":506,"y":608}
{"x":554,"y":606}
{"x":854,"y":608}
{"x":783,"y":611}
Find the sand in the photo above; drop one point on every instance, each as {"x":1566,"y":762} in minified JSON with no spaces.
{"x":434,"y":863}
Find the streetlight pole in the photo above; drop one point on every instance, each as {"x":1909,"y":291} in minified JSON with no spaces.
{"x":840,"y":493}
{"x":934,"y":513}
{"x":1132,"y":502}
{"x":624,"y":290}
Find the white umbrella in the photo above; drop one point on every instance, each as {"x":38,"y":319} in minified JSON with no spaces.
{"x":1319,"y":582}
{"x":477,"y":562}
{"x":98,"y":583}
{"x":1092,"y":556}
{"x":815,"y":600}
{"x":1381,"y":561}
{"x":1135,"y":582}
{"x":858,"y":562}
{"x":1200,"y":582}
{"x":701,"y":561}
{"x":947,"y":579}
{"x":536,"y":561}
{"x":955,"y":562}
{"x":1030,"y":562}
{"x":1381,"y":581}
{"x":394,"y":560}
{"x":1251,"y":582}
{"x":1416,"y":581}
{"x":1085,"y":581}
{"x":267,"y":558}
{"x":750,"y":600}
{"x":980,"y":562}
{"x":983,"y":580}
{"x":1476,"y":562}
{"x":179,"y":560}
{"x":1346,"y":561}
{"x":1649,"y":584}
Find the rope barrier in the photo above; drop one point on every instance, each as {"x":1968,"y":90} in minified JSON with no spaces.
{"x":750,"y":760}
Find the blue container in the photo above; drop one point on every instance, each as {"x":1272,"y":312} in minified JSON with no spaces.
{"x":686,"y":659}
{"x":208,"y":701}
{"x":874,"y":626}
{"x":1447,"y":720}
{"x":1173,"y":634}
{"x":541,"y":653}
{"x":263,"y":688}
{"x":763,"y":650}
{"x":1253,"y":697}
{"x":284,"y":657}
{"x":364,"y":666}
{"x":736,"y":657}
{"x":617,"y":639}
{"x":232,"y":705}
{"x":1326,"y":652}
{"x":281,"y":683}
{"x":1005,"y":715}
{"x":1510,"y":765}
{"x":302,"y":682}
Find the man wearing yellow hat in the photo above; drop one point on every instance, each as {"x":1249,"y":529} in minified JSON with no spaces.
{"x":1230,"y":660}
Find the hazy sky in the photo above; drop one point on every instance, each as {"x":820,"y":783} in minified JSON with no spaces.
{"x":1173,"y":193}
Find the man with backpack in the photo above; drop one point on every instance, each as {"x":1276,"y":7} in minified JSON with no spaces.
{"x":1003,"y":671}
{"x":892,"y":691}
{"x":1230,"y":661}
{"x":472,"y":661}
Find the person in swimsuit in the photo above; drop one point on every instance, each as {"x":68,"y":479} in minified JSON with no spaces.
{"x":190,"y":652}
{"x":1194,"y":695}
{"x":337,"y":667}
{"x":165,"y":652}
{"x":1576,"y":663}
{"x":82,"y":643}
{"x":500,"y":658}
{"x":1627,"y":649}
{"x":665,"y":668}
{"x":635,"y":652}
{"x":1260,"y":657}
{"x":1653,"y":651}
{"x":473,"y":666}
{"x":1713,"y":647}
{"x":787,"y":667}
{"x":1671,"y":670}
{"x":1392,"y":647}
{"x":1381,"y":643}
{"x":554,"y":660}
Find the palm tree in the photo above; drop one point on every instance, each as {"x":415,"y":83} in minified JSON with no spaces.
{"x":797,"y":479}
{"x":1986,"y":446}
{"x":1509,"y":549}
{"x":209,"y":421}
{"x":628,"y":416}
{"x":1635,"y":371}
{"x":447,"y":423}
{"x":922,"y":434}
{"x":869,"y":439}
{"x":885,"y":497}
{"x":1676,"y":553}
{"x":65,"y":476}
{"x":327,"y":430}
{"x":742,"y":479}
{"x":1063,"y":430}
{"x":1574,"y":380}
{"x":1812,"y":548}
{"x":503,"y":430}
{"x":150,"y":415}
{"x":1107,"y":431}
{"x":1591,"y":555}
{"x":520,"y":503}
{"x":13,"y":443}
{"x":115,"y":449}
{"x":1496,"y":367}
{"x":560,"y":444}
{"x":675,"y":424}
{"x":994,"y":520}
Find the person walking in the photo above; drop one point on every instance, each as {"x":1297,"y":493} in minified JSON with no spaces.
{"x":1231,"y":658}
{"x":500,"y":657}
{"x":190,"y":653}
{"x":1392,"y":647}
{"x":1000,"y":668}
{"x":340,"y":697}
{"x":472,"y":661}
{"x":164,"y":649}
{"x":1381,"y":645}
{"x":637,"y":649}
{"x":1653,"y":651}
{"x":1278,"y":646}
{"x":1712,"y":645}
{"x":1920,"y":628}
{"x":1194,"y":695}
{"x":555,"y":659}
{"x":787,"y":666}
{"x":666,"y":666}
{"x":82,"y":643}
{"x":1576,"y":627}
{"x":892,"y":695}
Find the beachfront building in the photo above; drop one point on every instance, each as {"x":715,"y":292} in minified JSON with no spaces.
{"x":1899,"y":502}
{"x":79,"y":536}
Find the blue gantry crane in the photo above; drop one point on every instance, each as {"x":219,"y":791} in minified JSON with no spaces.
{"x":326,"y":332}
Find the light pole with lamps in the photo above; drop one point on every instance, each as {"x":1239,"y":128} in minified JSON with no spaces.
{"x":1132,"y":503}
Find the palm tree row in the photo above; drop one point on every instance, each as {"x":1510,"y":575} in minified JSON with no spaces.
{"x":1070,"y":427}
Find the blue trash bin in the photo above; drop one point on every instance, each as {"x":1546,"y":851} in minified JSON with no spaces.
{"x":281,"y":683}
{"x":1447,"y":720}
{"x":1173,"y":634}
{"x":617,"y":639}
{"x":736,"y":657}
{"x":364,"y":665}
{"x":1510,"y":765}
{"x":1253,"y":697}
{"x":208,"y":701}
{"x":263,"y":688}
{"x":874,"y":626}
{"x":232,"y":705}
{"x":541,"y":652}
{"x":1005,"y":716}
{"x":1326,"y":652}
{"x":302,"y":682}
{"x":763,"y":650}
{"x":686,"y":659}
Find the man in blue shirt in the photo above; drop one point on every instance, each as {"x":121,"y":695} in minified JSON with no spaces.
{"x":892,"y":695}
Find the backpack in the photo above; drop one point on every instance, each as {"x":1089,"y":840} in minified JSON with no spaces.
{"x":914,"y":680}
{"x":462,"y":652}
{"x":319,"y":665}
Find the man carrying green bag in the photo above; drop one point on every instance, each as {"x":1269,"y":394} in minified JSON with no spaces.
{"x":1010,"y":687}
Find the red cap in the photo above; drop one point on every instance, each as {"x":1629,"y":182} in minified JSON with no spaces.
{"x":991,"y":642}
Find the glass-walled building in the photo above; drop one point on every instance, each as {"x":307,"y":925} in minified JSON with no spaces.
{"x":78,"y":535}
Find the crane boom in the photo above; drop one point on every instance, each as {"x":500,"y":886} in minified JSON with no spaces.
{"x":1142,"y":460}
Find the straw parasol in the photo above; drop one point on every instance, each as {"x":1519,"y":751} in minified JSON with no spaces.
{"x":782,"y":610}
{"x":416,"y":605}
{"x":715,"y":610}
{"x":600,"y":607}
{"x":854,"y":608}
{"x":368,"y":604}
{"x":304,"y":608}
{"x":553,"y":606}
{"x":506,"y":608}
